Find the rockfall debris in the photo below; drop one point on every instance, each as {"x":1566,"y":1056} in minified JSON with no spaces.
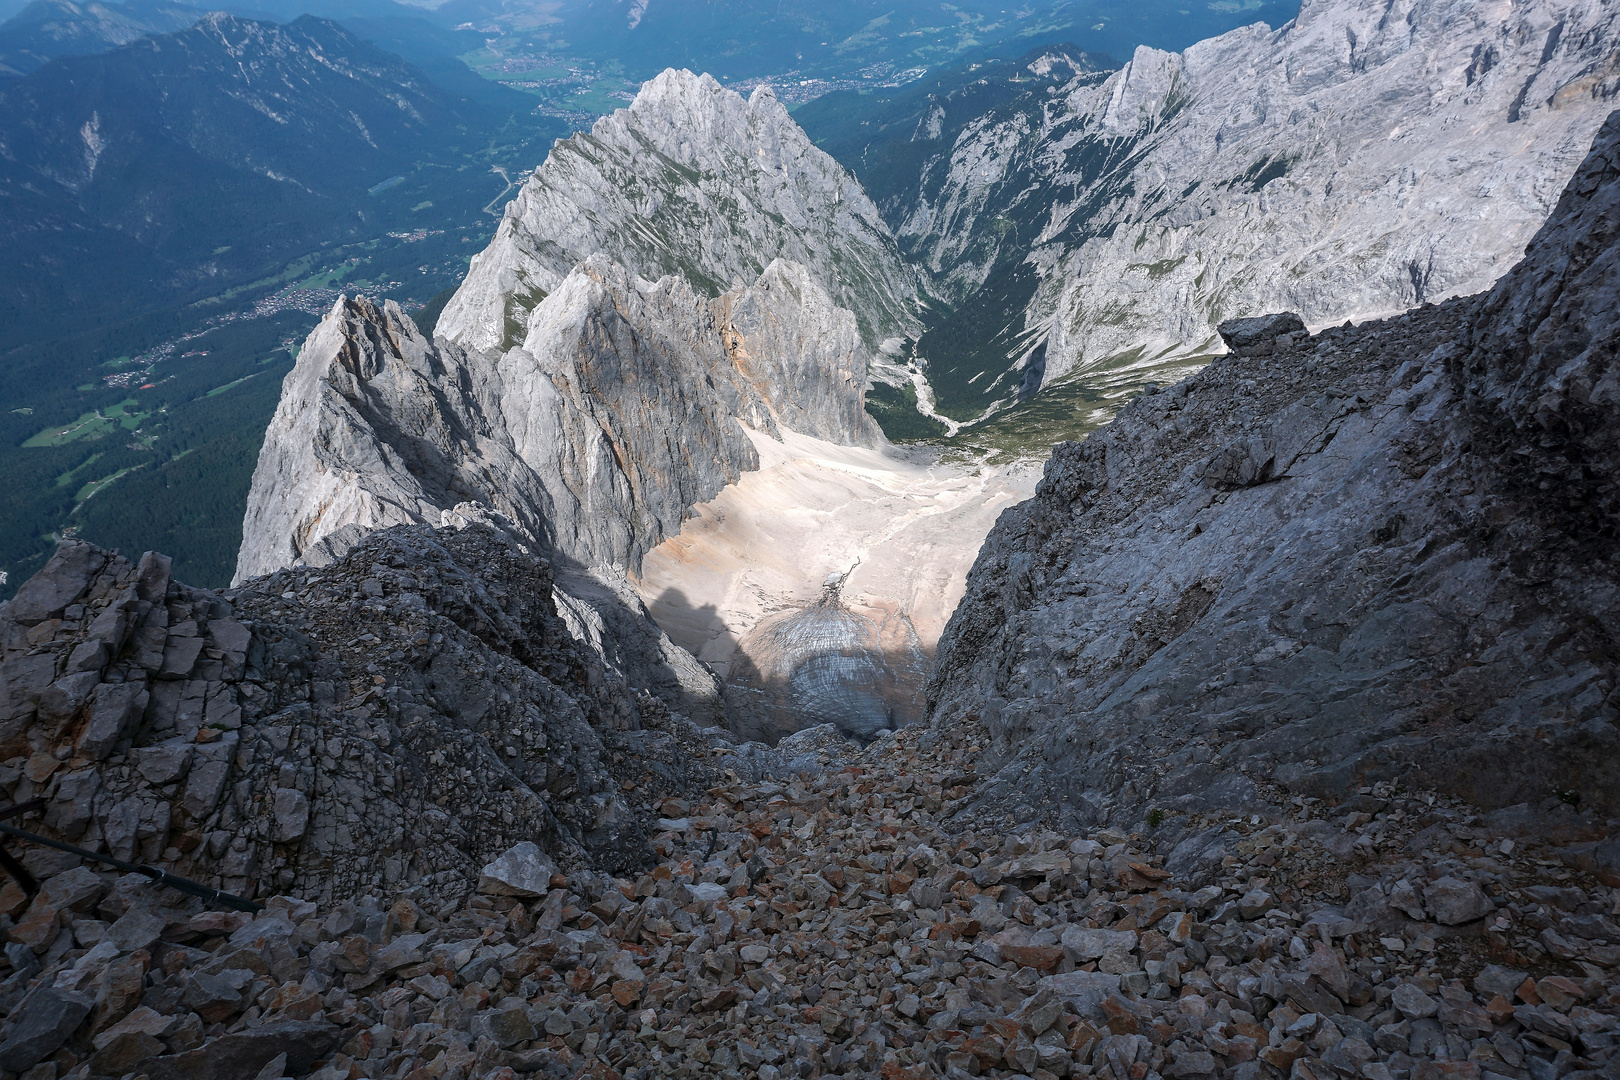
{"x":827,"y":924}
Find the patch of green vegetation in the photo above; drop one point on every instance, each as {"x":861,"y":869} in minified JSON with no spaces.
{"x":329,"y":278}
{"x":524,"y":299}
{"x":1162,"y":267}
{"x":216,"y":391}
{"x":103,"y":484}
{"x":191,"y":505}
{"x":427,"y":317}
{"x":45,"y":487}
{"x":72,"y":474}
{"x":94,"y":424}
{"x":895,"y":410}
{"x":1072,"y":408}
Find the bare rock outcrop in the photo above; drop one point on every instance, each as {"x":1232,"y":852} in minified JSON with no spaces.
{"x":393,"y":720}
{"x":620,"y":410}
{"x":1384,"y":552}
{"x":591,"y":441}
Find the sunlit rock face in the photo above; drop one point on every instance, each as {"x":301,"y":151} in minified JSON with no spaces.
{"x":1365,"y":158}
{"x":692,"y":181}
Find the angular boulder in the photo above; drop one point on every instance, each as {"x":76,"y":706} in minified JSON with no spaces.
{"x":523,"y":870}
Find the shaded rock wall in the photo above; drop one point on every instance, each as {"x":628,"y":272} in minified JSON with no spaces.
{"x":1385,"y":552}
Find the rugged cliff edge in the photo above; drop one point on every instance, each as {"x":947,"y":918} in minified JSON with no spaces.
{"x":695,"y":182}
{"x":1386,"y":552}
{"x":392,"y":720}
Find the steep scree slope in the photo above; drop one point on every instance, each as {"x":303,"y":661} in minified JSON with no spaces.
{"x":834,"y":925}
{"x":1385,"y":552}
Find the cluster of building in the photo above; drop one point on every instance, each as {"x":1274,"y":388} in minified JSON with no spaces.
{"x":310,"y":301}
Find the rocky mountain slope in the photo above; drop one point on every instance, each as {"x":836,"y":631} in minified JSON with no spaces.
{"x":611,"y":408}
{"x":1360,"y":160}
{"x":691,"y":181}
{"x":392,"y":720}
{"x":1382,"y":553}
{"x":624,"y":406}
{"x":829,"y":926}
{"x":1299,"y":679}
{"x":620,"y":409}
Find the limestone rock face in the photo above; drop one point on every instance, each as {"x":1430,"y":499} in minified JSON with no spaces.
{"x":621,"y":409}
{"x":394,"y":720}
{"x":692,"y":181}
{"x":1379,"y":553}
{"x":1363,"y":159}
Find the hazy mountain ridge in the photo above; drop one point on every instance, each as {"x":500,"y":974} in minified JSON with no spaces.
{"x":1354,"y":162}
{"x":46,"y":29}
{"x":256,"y":132}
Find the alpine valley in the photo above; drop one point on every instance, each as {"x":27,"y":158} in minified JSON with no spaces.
{"x":1053,"y":569}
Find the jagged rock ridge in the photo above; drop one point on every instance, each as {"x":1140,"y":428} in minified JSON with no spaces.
{"x":51,"y":28}
{"x":1380,"y":553}
{"x":692,"y":181}
{"x":392,"y":721}
{"x":1362,"y":159}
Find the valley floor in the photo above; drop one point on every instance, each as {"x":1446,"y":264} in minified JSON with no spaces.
{"x":837,"y":923}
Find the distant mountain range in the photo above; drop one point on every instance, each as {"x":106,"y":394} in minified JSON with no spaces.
{"x":743,"y":39}
{"x":46,"y":29}
{"x":1343,"y":164}
{"x":174,"y":211}
{"x":187,"y":161}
